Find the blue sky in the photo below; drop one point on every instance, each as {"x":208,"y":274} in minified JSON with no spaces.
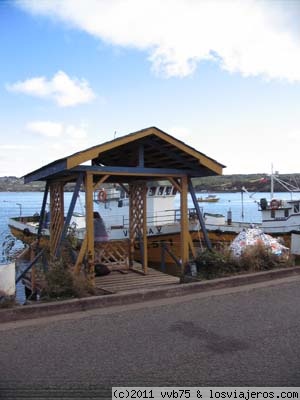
{"x":222,"y":76}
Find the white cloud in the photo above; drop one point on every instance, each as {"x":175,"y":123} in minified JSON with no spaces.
{"x":66,"y":92}
{"x":76,"y":133}
{"x":251,"y":37}
{"x":57,"y":139}
{"x":14,"y":146}
{"x":293,"y":136}
{"x":52,"y":129}
{"x":45,"y":128}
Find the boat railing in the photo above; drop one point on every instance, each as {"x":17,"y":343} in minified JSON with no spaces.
{"x":165,"y":217}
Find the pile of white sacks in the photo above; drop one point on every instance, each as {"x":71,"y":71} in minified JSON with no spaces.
{"x":254,"y":236}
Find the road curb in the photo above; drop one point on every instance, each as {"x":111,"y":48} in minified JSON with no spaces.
{"x":181,"y":289}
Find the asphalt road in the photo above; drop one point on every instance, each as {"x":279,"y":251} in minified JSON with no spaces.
{"x":248,"y":336}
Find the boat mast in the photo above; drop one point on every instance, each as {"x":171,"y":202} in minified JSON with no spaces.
{"x":272,"y":182}
{"x":286,"y":185}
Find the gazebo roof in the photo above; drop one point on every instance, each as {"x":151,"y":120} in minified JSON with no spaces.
{"x":149,"y":153}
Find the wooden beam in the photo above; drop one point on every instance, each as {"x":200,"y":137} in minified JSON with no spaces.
{"x":93,"y":152}
{"x":168,"y":152}
{"x":56,"y":214}
{"x":90,"y":226}
{"x":69,"y":214}
{"x":199,"y":214}
{"x":191,"y":245}
{"x":124,"y":188}
{"x":202,"y":158}
{"x":175,"y":183}
{"x":46,"y":172}
{"x":133,"y":171}
{"x":141,"y":156}
{"x":79,"y":158}
{"x":184,"y":224}
{"x":101,"y":180}
{"x":145,"y":244}
{"x":43,"y":211}
{"x":81,"y":254}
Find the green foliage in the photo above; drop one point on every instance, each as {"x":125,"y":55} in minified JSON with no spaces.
{"x":60,"y":282}
{"x":217,"y":264}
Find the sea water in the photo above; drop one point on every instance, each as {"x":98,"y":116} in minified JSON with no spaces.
{"x":14,"y":204}
{"x":243,"y":206}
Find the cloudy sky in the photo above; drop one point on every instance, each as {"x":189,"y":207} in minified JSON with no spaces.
{"x":223,"y":76}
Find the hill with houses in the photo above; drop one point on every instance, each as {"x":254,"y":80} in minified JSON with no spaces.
{"x":224,"y":183}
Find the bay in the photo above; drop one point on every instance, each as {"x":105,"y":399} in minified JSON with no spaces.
{"x":244,"y":207}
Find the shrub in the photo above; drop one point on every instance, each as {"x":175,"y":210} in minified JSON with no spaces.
{"x":216,"y":264}
{"x":261,"y":258}
{"x":60,"y":282}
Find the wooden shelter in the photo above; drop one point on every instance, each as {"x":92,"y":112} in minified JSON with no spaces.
{"x":146,"y":155}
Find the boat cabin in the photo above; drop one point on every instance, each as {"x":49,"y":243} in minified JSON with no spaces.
{"x":280,"y":215}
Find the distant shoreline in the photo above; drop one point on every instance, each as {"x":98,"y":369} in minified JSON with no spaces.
{"x":210,"y":184}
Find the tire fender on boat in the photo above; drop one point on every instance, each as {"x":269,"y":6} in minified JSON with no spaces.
{"x":102,"y":195}
{"x":26,"y":231}
{"x":274,"y":204}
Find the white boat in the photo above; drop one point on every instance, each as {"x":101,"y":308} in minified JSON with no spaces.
{"x":111,"y":221}
{"x":279,"y":218}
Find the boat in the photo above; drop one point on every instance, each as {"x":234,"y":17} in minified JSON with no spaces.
{"x":211,"y":198}
{"x":111,"y":222}
{"x":279,"y":218}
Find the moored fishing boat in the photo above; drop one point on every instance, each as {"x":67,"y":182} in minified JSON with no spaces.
{"x":211,"y":198}
{"x":163,"y":221}
{"x":278,"y":218}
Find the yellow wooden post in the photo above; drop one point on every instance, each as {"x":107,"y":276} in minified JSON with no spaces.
{"x":56,"y":214}
{"x":81,"y":253}
{"x":191,"y":245}
{"x":145,"y":245}
{"x":138,"y":221}
{"x":33,"y":272}
{"x":90,"y":226}
{"x":131,"y":226}
{"x":184,"y":234}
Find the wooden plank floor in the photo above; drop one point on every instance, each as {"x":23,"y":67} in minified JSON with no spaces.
{"x":118,"y":282}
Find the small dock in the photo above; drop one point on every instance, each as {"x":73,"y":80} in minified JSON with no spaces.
{"x":133,"y":279}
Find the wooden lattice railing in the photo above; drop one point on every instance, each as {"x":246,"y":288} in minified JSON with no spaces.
{"x":113,"y":254}
{"x":138,"y":220}
{"x":57,"y":214}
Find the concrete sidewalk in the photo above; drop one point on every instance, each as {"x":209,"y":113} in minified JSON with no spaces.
{"x":135,"y":296}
